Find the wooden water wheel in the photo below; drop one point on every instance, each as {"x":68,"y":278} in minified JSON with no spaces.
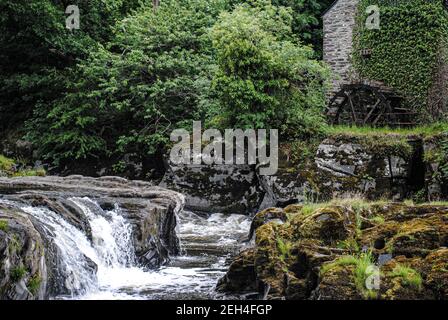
{"x":364,"y":105}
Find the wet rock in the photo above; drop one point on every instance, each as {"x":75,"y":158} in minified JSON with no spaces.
{"x":23,"y":271}
{"x":217,"y":188}
{"x":241,"y":276}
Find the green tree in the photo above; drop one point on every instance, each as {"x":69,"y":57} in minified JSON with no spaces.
{"x":306,"y":18}
{"x":154,"y":76}
{"x":265,"y":79}
{"x":38,"y":51}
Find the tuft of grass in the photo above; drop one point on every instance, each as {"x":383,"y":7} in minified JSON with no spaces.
{"x":284,"y":247}
{"x":409,"y":276}
{"x":362,"y":262}
{"x":18,"y":273}
{"x":34,"y":284}
{"x":4,"y":225}
{"x":30,"y":173}
{"x":341,"y":261}
{"x":309,"y":208}
{"x":349,"y":244}
{"x":379,"y":219}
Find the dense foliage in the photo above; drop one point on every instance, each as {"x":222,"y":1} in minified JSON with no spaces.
{"x":265,"y":79}
{"x":306,"y":18}
{"x":154,"y":71}
{"x":406,"y":50}
{"x":128,"y":96}
{"x":37,"y":49}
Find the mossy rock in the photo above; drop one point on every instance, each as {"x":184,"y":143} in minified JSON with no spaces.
{"x":241,"y":276}
{"x":326,"y":224}
{"x":436,"y":270}
{"x":338,"y":283}
{"x":396,"y":286}
{"x":418,"y":237}
{"x":271,"y":214}
{"x":289,"y":256}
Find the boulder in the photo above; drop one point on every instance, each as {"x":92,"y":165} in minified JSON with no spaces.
{"x":23,"y":271}
{"x":216,"y":188}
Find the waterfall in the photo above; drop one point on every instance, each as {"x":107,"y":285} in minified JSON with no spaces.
{"x":111,"y":234}
{"x":111,"y":248}
{"x":74,"y":250}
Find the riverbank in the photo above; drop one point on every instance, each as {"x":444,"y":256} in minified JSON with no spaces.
{"x":349,"y":250}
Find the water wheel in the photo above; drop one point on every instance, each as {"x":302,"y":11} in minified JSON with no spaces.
{"x":361,"y":105}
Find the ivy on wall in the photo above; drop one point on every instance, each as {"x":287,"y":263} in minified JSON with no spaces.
{"x":405,"y":50}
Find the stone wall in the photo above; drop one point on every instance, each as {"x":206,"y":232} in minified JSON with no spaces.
{"x":338,"y":25}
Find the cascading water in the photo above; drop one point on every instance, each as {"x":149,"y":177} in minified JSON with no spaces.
{"x":207,"y":242}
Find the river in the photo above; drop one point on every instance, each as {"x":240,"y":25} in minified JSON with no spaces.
{"x":207,"y":241}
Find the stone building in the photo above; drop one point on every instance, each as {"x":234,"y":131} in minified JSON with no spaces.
{"x":338,"y":23}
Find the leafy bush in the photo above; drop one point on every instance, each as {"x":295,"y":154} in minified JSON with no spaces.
{"x":438,"y":156}
{"x":306,"y":18}
{"x":9,"y":167}
{"x":265,"y":79}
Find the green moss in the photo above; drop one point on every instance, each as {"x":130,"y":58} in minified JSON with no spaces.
{"x":17,"y":273}
{"x":6,"y":164}
{"x":30,"y":173}
{"x":378,"y":219}
{"x":409,"y":276}
{"x":284,"y":248}
{"x":4,"y":225}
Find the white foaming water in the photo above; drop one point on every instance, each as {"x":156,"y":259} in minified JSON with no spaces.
{"x":111,"y":234}
{"x":207,"y":242}
{"x":73,"y":248}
